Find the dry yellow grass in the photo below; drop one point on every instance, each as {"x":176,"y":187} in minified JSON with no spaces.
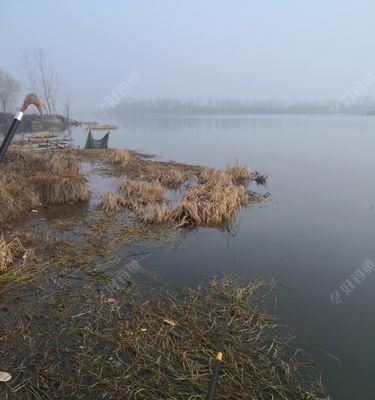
{"x":30,"y":178}
{"x":206,"y":204}
{"x":213,"y":201}
{"x":172,"y":177}
{"x":62,"y":164}
{"x":208,"y":174}
{"x":209,"y":204}
{"x":16,"y":195}
{"x":120,"y":157}
{"x":240,"y":173}
{"x":143,"y":192}
{"x":110,"y":203}
{"x":63,"y":190}
{"x":157,"y":214}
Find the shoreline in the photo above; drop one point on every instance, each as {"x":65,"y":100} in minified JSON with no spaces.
{"x":35,"y":123}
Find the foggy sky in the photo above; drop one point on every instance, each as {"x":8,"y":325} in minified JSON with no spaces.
{"x":287,"y":50}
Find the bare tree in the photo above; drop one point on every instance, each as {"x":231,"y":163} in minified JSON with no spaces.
{"x":67,"y":105}
{"x":9,"y":90}
{"x":42,"y":80}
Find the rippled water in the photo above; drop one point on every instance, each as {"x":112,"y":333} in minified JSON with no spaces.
{"x":312,"y":235}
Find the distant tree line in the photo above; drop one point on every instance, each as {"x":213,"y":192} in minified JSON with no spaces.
{"x":174,"y":106}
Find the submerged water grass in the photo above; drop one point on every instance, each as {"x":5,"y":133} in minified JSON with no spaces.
{"x":153,"y":347}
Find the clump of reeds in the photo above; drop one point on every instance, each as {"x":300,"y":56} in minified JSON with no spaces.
{"x":62,"y":182}
{"x":62,"y":164}
{"x":210,"y":204}
{"x":133,"y":195}
{"x":240,"y":173}
{"x":209,"y":174}
{"x":63,"y":190}
{"x":31,"y":178}
{"x":16,"y":195}
{"x":120,"y":157}
{"x":172,"y":177}
{"x":158,"y":214}
{"x":213,"y":201}
{"x":110,"y":203}
{"x":142,"y":192}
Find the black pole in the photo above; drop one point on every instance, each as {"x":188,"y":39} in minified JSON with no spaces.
{"x":31,"y":98}
{"x":215,"y":376}
{"x":9,"y":136}
{"x":219,"y":359}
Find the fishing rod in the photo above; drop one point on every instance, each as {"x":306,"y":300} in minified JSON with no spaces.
{"x":219,"y":357}
{"x":31,"y":98}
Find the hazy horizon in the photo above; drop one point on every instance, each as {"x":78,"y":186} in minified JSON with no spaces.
{"x":289,"y":51}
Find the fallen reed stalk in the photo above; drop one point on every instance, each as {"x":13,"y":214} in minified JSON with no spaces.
{"x":13,"y":250}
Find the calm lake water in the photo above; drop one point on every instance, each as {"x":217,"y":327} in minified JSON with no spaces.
{"x":316,"y":230}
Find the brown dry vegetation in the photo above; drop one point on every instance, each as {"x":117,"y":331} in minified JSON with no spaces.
{"x":209,"y":174}
{"x":133,"y":195}
{"x":140,"y":166}
{"x":209,"y":204}
{"x":240,"y":173}
{"x":157,"y":214}
{"x":120,"y":157}
{"x":172,"y":178}
{"x":145,"y":193}
{"x":110,"y":203}
{"x":213,"y":201}
{"x":30,"y":179}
